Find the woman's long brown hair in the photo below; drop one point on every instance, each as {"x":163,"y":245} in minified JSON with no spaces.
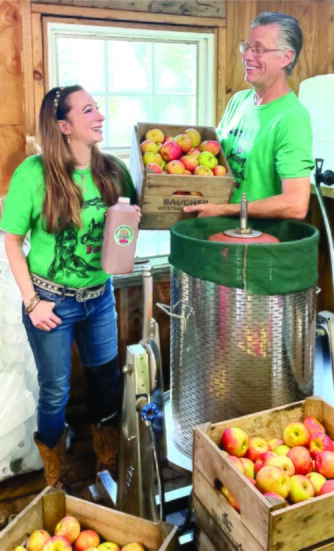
{"x":63,"y":198}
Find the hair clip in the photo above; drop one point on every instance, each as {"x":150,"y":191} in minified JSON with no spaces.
{"x":56,"y":99}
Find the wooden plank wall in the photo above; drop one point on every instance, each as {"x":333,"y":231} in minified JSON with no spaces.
{"x":22,"y":75}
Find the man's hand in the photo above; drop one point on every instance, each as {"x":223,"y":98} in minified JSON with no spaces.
{"x":213,"y":209}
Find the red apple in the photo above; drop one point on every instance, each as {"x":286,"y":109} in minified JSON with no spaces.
{"x":168,"y":139}
{"x":202,"y":170}
{"x":324,"y":463}
{"x":262,"y":460}
{"x":327,"y":487}
{"x":313,"y":425}
{"x":57,"y":543}
{"x":189,"y":162}
{"x":194,"y":152}
{"x":149,"y":145}
{"x":301,"y":488}
{"x":175,"y":167}
{"x":184,"y":141}
{"x":275,"y":442}
{"x":301,"y":459}
{"x":317,"y":480}
{"x":319,"y":441}
{"x":37,"y":539}
{"x":85,"y":540}
{"x":296,"y":434}
{"x":187,"y":173}
{"x":235,"y":441}
{"x":195,"y":136}
{"x":249,"y":467}
{"x":219,"y":170}
{"x":170,"y":151}
{"x":284,"y":462}
{"x":155,"y":167}
{"x":69,"y":527}
{"x":210,"y":145}
{"x":236,"y":462}
{"x":273,"y":479}
{"x":155,"y":134}
{"x":256,"y":446}
{"x":207,"y":159}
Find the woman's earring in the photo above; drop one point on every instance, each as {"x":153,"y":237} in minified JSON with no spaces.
{"x":68,"y":139}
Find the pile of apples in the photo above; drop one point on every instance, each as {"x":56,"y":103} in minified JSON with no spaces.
{"x":68,"y":536}
{"x":294,"y":468}
{"x":184,"y":154}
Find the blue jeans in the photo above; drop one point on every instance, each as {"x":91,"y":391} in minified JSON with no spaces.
{"x":92,"y":326}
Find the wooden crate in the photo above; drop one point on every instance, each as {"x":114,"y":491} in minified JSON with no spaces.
{"x":261,"y":526}
{"x":160,"y":208}
{"x":52,"y":505}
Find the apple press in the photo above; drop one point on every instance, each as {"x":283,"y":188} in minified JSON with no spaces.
{"x":243,"y":319}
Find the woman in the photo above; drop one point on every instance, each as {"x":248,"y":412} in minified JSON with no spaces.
{"x":61,"y":197}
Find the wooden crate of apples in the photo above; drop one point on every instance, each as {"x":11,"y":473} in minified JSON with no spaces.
{"x":174,"y":166}
{"x":267,"y":479}
{"x":57,"y":522}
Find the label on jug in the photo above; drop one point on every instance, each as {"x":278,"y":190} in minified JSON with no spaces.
{"x":123,"y":235}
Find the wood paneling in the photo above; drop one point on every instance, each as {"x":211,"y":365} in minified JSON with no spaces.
{"x":197,"y":8}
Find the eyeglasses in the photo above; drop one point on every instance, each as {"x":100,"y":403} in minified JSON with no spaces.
{"x":256,"y":50}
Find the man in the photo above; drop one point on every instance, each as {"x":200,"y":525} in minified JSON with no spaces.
{"x":266,"y":132}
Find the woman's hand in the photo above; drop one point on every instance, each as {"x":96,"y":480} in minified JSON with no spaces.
{"x":43,"y":317}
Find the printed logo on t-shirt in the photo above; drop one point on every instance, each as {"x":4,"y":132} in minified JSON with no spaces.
{"x":66,"y":260}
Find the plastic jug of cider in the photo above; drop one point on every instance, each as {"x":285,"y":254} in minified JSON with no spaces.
{"x":120,"y":238}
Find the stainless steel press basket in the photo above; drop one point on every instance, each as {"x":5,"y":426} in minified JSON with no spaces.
{"x":235,"y":351}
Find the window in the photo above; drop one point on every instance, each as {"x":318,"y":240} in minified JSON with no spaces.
{"x":137,"y":75}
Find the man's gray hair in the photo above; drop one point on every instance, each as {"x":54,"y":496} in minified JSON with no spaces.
{"x":291,"y":36}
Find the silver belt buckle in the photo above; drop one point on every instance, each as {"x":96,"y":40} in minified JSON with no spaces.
{"x":80,"y":295}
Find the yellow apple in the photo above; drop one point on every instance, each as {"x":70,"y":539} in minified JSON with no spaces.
{"x":273,"y":479}
{"x":108,"y":546}
{"x":195,"y":136}
{"x":37,"y":539}
{"x":133,"y":547}
{"x":296,"y":434}
{"x":57,"y":543}
{"x":155,"y":134}
{"x":317,"y":480}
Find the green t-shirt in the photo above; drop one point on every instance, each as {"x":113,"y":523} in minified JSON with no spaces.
{"x":71,"y":257}
{"x":265,"y":143}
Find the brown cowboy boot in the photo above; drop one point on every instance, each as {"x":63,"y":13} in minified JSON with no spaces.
{"x":106,"y":444}
{"x":55,"y":467}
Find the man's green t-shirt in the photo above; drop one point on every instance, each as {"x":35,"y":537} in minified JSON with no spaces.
{"x":265,"y":143}
{"x":70,"y":257}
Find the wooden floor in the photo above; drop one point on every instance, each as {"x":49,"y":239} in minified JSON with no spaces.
{"x":18,"y":491}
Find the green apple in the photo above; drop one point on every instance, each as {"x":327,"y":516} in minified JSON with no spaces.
{"x":108,"y":546}
{"x":195,"y":136}
{"x":207,"y":159}
{"x":155,"y":134}
{"x":301,"y":488}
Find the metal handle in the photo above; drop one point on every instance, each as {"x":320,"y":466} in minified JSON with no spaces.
{"x":168,"y":310}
